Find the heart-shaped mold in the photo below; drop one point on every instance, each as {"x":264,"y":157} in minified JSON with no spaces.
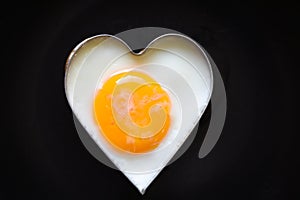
{"x":175,"y":61}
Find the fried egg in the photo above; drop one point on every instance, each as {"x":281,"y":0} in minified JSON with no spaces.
{"x":138,"y":108}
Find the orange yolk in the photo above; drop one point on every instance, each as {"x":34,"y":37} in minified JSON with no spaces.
{"x":133,"y":112}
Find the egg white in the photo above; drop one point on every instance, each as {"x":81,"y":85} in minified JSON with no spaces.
{"x":174,"y":61}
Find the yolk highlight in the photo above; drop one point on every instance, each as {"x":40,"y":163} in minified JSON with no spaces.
{"x":133,"y":112}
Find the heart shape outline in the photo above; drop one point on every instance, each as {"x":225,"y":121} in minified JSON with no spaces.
{"x":99,"y":39}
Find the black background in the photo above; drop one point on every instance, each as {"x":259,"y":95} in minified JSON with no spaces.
{"x":255,"y":47}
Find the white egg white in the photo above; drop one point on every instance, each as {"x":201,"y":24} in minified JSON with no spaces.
{"x":176,"y":62}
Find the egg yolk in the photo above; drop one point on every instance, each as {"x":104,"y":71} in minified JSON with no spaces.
{"x":133,"y":111}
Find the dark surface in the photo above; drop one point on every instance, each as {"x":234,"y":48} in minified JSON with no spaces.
{"x":254,"y":46}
